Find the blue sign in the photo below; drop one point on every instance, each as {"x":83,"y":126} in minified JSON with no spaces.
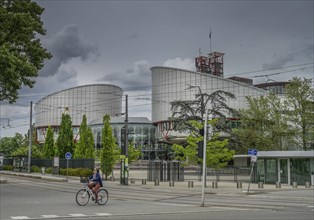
{"x":68,"y":155}
{"x":252,"y":152}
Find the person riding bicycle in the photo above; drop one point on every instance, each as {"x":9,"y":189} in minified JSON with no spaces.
{"x":95,"y":182}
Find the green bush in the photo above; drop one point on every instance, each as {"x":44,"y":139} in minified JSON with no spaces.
{"x":49,"y":170}
{"x":7,"y":167}
{"x":82,"y":172}
{"x":35,"y":169}
{"x":85,"y":172}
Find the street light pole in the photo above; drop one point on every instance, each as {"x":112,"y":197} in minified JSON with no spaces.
{"x":126,"y":143}
{"x":30,"y":138}
{"x":204,"y":158}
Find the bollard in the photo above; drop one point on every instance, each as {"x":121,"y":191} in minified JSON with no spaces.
{"x":171,"y":183}
{"x":132,"y":180}
{"x":190,"y":184}
{"x":156,"y":182}
{"x":260,"y":185}
{"x":239,"y":185}
{"x":143,"y":181}
{"x":307,"y":185}
{"x":278,"y":185}
{"x":215,"y":185}
{"x":294,"y":185}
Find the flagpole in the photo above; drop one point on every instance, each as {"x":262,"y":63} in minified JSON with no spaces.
{"x":210,"y":39}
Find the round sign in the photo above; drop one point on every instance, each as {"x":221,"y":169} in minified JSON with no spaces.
{"x":253,"y":159}
{"x":68,"y":155}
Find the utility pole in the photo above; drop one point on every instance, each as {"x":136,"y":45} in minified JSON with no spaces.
{"x":124,"y":170}
{"x":126,"y":164}
{"x":204,"y":156}
{"x":30,"y":138}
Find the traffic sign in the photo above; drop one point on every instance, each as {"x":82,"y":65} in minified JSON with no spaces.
{"x":253,"y":159}
{"x":68,"y":155}
{"x":252,"y":152}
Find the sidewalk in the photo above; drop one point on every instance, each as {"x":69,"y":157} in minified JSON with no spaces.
{"x":138,"y":178}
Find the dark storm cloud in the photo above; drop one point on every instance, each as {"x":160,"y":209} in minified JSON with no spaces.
{"x":137,"y":78}
{"x":64,"y":46}
{"x":305,"y":52}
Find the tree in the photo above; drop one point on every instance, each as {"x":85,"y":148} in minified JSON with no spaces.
{"x":11,"y":144}
{"x":187,"y":152}
{"x":65,"y":141}
{"x":109,"y":153}
{"x":21,"y":52}
{"x":23,"y":151}
{"x":300,"y":109}
{"x":217,"y":153}
{"x":186,"y":110}
{"x":189,"y":117}
{"x":49,"y":148}
{"x":133,"y":153}
{"x":263,"y":125}
{"x":270,"y":123}
{"x":85,"y":145}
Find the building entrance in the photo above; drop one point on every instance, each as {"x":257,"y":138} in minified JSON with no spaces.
{"x":283,"y":166}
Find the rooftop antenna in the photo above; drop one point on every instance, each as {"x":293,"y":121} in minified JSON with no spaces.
{"x":210,"y":39}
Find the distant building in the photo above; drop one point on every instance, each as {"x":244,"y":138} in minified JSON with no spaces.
{"x":278,"y":88}
{"x":93,"y":100}
{"x":170,"y":84}
{"x":140,"y":132}
{"x":242,"y":79}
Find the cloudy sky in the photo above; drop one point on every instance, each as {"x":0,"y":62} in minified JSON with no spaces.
{"x":116,"y":42}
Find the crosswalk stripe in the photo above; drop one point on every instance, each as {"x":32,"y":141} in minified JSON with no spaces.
{"x":103,"y":214}
{"x":78,"y":215}
{"x":50,"y":216}
{"x":19,"y":217}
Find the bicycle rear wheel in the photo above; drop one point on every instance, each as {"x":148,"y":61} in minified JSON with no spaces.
{"x":82,"y":197}
{"x":103,"y":196}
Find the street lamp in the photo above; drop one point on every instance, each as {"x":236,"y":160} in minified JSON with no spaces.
{"x":30,"y":138}
{"x":204,"y":157}
{"x":124,"y":168}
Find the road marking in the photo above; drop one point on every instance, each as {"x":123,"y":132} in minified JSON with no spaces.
{"x":174,"y":204}
{"x":103,"y":214}
{"x":50,"y":216}
{"x":311,"y":206}
{"x":19,"y":217}
{"x":77,"y":215}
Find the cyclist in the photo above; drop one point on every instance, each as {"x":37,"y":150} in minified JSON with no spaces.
{"x":95,"y":182}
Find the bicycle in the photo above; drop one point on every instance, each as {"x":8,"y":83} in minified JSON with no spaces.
{"x":83,"y":196}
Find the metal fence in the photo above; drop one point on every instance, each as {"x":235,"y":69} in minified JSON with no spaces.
{"x":165,"y":171}
{"x":73,"y":163}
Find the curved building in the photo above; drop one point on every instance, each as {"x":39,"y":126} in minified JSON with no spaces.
{"x":94,"y":101}
{"x":170,"y":84}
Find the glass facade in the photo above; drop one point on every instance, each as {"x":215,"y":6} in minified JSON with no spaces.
{"x":92,"y":100}
{"x":141,"y":134}
{"x":284,"y":170}
{"x":300,"y":170}
{"x":170,"y":84}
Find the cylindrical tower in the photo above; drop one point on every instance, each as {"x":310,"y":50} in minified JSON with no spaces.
{"x":92,"y":100}
{"x":171,"y":84}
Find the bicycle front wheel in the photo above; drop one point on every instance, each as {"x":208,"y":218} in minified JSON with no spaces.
{"x":103,"y":196}
{"x":82,"y":197}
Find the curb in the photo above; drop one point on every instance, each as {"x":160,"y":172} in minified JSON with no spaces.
{"x":43,"y":177}
{"x":3,"y":181}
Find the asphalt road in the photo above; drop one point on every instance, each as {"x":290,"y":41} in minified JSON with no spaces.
{"x":27,"y":198}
